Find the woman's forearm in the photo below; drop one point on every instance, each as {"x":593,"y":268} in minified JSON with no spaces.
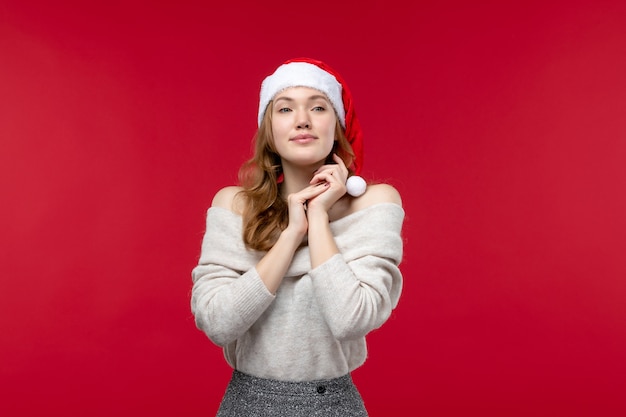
{"x":322,"y":244}
{"x":273,"y":266}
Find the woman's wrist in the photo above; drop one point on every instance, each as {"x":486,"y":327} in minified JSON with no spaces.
{"x":317,"y":216}
{"x":290,"y":234}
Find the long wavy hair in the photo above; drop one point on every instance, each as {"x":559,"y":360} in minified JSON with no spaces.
{"x":265,"y":212}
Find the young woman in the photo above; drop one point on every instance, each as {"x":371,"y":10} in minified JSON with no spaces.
{"x":294,"y":270}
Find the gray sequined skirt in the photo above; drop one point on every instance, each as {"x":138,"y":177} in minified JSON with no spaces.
{"x":249,"y":396}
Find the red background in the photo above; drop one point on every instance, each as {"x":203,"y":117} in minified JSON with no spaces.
{"x":503,"y":126}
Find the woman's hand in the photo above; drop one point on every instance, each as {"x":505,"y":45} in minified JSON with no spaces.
{"x":273,"y":266}
{"x":335,"y":176}
{"x":298,"y":203}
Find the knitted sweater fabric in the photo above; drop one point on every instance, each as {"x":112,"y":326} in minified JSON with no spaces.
{"x":314,"y":327}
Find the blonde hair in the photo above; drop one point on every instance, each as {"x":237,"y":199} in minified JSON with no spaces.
{"x":265,"y":213}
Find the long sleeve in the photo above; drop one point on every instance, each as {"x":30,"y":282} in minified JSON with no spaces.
{"x":228,"y":295}
{"x":358,"y":288}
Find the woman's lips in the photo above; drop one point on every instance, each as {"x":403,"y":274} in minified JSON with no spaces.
{"x":304,"y":138}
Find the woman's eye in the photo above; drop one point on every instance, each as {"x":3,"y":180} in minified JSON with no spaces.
{"x":284,"y":110}
{"x":318,"y":108}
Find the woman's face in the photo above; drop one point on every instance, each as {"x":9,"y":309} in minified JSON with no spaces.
{"x":303,"y":126}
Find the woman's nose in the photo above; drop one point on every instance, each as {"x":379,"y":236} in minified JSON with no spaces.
{"x":303,"y":121}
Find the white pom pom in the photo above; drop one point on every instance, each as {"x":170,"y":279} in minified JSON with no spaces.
{"x":356,"y":186}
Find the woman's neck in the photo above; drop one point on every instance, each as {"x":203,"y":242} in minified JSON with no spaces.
{"x":296,"y":179}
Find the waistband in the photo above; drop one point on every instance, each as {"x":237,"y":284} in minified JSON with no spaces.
{"x":271,"y":386}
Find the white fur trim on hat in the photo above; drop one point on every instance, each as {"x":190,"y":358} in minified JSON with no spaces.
{"x":302,"y":74}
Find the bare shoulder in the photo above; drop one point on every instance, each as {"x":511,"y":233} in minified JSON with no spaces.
{"x":228,"y":198}
{"x":376,"y":194}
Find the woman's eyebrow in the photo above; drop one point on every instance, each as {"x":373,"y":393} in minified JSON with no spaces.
{"x":317,"y":97}
{"x":311,"y":98}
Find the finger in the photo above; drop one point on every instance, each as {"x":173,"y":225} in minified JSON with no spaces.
{"x":324,"y":177}
{"x":341,"y":165}
{"x":331,"y":173}
{"x":339,"y":162}
{"x":309,"y":192}
{"x":330,"y":165}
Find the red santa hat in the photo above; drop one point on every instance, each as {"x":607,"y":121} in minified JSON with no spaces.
{"x":306,"y":72}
